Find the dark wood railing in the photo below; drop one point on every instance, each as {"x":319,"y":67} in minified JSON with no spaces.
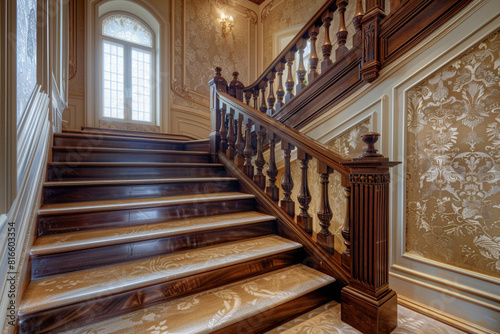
{"x":239,"y":134}
{"x":275,"y":107}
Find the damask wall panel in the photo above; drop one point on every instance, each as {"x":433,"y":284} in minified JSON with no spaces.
{"x":349,"y":145}
{"x":453,"y":162}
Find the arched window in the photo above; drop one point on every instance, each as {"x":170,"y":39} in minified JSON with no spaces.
{"x":127,"y":55}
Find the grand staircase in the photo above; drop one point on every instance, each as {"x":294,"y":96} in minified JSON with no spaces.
{"x":142,"y":233}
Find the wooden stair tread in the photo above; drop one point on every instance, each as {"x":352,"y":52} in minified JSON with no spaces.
{"x":64,"y":289}
{"x":108,"y":205}
{"x":130,"y":133}
{"x":90,"y":135}
{"x":72,"y":241}
{"x":136,"y":181}
{"x":129,"y":150}
{"x":218,"y":308}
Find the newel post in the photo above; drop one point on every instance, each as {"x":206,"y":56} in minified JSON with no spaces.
{"x":218,"y":83}
{"x":368,"y":304}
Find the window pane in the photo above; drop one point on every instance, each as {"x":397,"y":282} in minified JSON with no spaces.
{"x":141,"y":85}
{"x":113,"y":89}
{"x":126,"y":28}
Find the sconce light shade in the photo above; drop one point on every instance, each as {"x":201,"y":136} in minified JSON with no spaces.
{"x":226,"y":24}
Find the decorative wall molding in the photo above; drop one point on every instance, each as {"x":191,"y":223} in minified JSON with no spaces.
{"x":445,"y":318}
{"x":265,"y":12}
{"x":181,"y":91}
{"x":73,"y":41}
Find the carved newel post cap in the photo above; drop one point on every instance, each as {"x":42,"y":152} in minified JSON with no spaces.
{"x":218,"y":71}
{"x":370,"y":151}
{"x":235,"y":75}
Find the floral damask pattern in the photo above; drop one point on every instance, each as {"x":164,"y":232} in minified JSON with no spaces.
{"x":453,"y":162}
{"x":348,"y":144}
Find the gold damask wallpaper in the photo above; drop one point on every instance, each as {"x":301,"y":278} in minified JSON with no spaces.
{"x":453,"y":162}
{"x":348,"y":144}
{"x":199,"y":46}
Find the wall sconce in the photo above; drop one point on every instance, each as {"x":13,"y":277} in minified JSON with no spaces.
{"x":226,"y":24}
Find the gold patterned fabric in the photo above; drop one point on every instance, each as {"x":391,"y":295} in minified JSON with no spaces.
{"x":453,"y":162}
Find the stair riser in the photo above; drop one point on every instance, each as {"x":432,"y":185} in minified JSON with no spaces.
{"x":65,"y":173}
{"x":79,"y":260}
{"x":77,"y":315}
{"x":106,"y":219}
{"x":76,"y":156}
{"x":99,"y":141}
{"x":96,"y":141}
{"x":68,"y":194}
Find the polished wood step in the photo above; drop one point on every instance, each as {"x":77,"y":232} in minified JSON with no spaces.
{"x":131,"y":133}
{"x":103,"y":154}
{"x":60,"y":171}
{"x":248,"y":306}
{"x":99,"y":293}
{"x":116,"y":141}
{"x":79,"y":216}
{"x":96,"y":190}
{"x":65,"y":252}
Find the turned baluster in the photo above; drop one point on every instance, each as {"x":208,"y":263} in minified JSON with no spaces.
{"x":346,"y":229}
{"x":358,"y":17}
{"x":342,"y":32}
{"x":272,"y":189}
{"x":248,"y":152}
{"x":248,"y":96}
{"x":230,"y":151}
{"x":324,"y":237}
{"x":304,"y":197}
{"x":271,"y":99}
{"x":327,"y":45}
{"x":236,"y":87}
{"x":240,"y":144}
{"x":280,"y":92}
{"x":313,"y":58}
{"x":223,"y":130}
{"x":287,"y":203}
{"x":260,"y":178}
{"x":255,"y":92}
{"x":301,"y":70}
{"x":263,"y":105}
{"x":290,"y":57}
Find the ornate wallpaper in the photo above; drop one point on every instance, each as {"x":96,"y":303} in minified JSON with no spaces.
{"x":348,"y":144}
{"x":26,"y":49}
{"x":200,"y":47}
{"x":453,"y":162}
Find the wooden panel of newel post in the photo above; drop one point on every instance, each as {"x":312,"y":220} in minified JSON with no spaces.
{"x":218,"y":83}
{"x":367,"y":302}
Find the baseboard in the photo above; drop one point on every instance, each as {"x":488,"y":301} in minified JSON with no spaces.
{"x":440,"y":316}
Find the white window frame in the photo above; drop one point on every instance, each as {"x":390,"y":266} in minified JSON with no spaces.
{"x":127,"y":63}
